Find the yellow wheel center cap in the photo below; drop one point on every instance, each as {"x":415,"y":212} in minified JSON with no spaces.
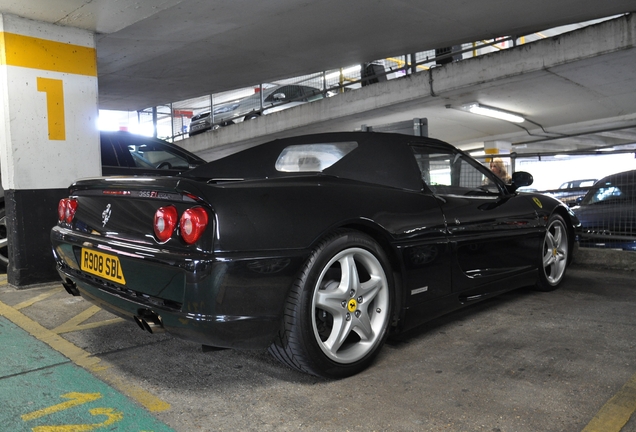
{"x":554,"y":251}
{"x":352,"y":305}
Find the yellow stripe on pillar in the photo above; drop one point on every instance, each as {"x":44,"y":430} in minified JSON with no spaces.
{"x":42,"y":54}
{"x":491,"y":151}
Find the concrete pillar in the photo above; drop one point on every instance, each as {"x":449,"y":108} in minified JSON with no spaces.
{"x":48,"y":137}
{"x":497,"y":147}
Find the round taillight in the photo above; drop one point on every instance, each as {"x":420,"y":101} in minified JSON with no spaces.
{"x":193,"y":223}
{"x":165,"y":222}
{"x":61,"y":209}
{"x":71,"y":208}
{"x":66,"y":209}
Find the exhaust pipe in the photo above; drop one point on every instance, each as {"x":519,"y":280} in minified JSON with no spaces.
{"x":139,"y":323}
{"x":149,"y":321}
{"x":70,"y":287}
{"x":151,"y":327}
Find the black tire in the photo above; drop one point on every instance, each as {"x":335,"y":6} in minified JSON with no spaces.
{"x":4,"y":252}
{"x":338,"y":312}
{"x":251,"y":116}
{"x":555,"y":253}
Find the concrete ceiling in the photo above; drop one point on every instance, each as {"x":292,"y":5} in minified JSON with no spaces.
{"x":152,"y":52}
{"x":576,"y":91}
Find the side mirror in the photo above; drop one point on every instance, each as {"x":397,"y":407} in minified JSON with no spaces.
{"x":279,"y":96}
{"x":521,"y":179}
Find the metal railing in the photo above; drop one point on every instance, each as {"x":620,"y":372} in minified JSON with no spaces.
{"x":173,"y":119}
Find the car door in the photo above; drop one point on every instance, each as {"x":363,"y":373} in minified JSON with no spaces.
{"x":495,"y":235}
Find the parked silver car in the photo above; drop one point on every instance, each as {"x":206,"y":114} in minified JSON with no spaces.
{"x":274,"y":99}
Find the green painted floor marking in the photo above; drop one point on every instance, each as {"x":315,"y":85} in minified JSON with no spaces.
{"x":20,"y":352}
{"x":42,"y":391}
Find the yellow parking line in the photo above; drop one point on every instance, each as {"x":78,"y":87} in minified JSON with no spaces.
{"x":84,"y":359}
{"x":617,"y":411}
{"x":60,"y":330}
{"x":39,"y":298}
{"x":75,"y":323}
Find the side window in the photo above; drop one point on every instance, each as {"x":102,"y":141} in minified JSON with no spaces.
{"x":114,"y":152}
{"x":450,"y":173}
{"x":606,"y":194}
{"x":292,"y":93}
{"x":270,"y":98}
{"x":109,"y":155}
{"x":311,"y":94}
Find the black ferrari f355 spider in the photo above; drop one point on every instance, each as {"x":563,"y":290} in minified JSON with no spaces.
{"x":317,"y":246}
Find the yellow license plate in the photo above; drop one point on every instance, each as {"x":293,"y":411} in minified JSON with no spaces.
{"x":102,"y":265}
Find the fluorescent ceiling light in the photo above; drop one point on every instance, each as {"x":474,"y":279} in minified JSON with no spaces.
{"x":487,"y":111}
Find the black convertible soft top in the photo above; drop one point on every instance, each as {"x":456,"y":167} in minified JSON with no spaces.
{"x":380,"y":158}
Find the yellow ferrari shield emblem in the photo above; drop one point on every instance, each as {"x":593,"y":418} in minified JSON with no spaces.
{"x":353,"y":305}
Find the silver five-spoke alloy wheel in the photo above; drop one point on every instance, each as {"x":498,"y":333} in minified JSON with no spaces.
{"x":555,"y":251}
{"x":351,"y":305}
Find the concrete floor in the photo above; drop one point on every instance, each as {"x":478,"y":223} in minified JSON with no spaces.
{"x":526,"y":361}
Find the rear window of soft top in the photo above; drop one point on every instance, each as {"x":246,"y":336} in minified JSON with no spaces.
{"x":313,"y":157}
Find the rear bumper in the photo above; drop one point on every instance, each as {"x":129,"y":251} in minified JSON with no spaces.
{"x":223,"y":300}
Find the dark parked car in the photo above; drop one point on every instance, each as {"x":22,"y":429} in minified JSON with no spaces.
{"x":124,"y":153}
{"x":274,"y":99}
{"x":608,"y":213}
{"x":127,"y":154}
{"x":570,"y":191}
{"x":317,"y":246}
{"x":573,"y":184}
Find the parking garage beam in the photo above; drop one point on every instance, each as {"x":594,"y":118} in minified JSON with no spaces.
{"x":49,"y":136}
